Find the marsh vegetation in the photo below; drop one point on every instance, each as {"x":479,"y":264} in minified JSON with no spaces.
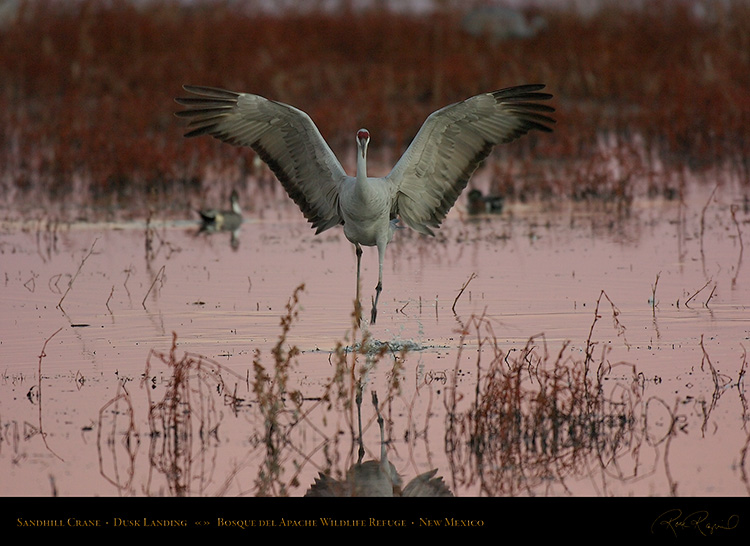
{"x":589,"y":340}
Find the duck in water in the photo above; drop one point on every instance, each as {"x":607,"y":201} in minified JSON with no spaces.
{"x":213,"y":220}
{"x":484,"y":204}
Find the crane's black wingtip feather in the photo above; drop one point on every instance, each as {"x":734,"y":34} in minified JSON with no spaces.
{"x":208,"y":91}
{"x":206,"y":130}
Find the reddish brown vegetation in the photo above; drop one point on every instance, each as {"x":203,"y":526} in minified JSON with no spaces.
{"x":86,"y":89}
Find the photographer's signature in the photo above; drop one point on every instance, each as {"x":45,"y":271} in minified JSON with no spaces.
{"x":676,"y":522}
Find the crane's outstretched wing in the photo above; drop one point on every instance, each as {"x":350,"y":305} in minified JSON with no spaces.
{"x":451,"y":144}
{"x":427,"y":485}
{"x":285,"y":138}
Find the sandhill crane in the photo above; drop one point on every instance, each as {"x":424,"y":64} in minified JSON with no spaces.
{"x":420,"y":189}
{"x":377,"y":478}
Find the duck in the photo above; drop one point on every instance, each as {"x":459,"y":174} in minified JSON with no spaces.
{"x":222,"y":220}
{"x":484,"y":204}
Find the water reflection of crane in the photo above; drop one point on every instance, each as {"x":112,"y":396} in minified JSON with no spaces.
{"x":377,"y":478}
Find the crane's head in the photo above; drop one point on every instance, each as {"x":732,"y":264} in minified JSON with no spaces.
{"x":363,"y":138}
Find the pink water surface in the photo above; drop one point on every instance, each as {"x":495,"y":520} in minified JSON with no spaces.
{"x":105,"y":301}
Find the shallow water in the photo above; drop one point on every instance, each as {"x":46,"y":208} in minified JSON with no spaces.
{"x":104,"y":299}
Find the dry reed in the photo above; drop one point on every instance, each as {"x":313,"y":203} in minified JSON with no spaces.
{"x":536,"y":418}
{"x":642,"y":94}
{"x":535,"y":422}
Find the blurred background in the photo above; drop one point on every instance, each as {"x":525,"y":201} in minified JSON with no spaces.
{"x":650,"y":95}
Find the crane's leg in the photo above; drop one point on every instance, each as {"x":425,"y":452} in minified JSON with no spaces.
{"x":357,"y":303}
{"x":379,"y":287}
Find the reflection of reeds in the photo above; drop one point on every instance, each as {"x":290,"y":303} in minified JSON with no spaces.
{"x":272,"y":394}
{"x":534,"y":418}
{"x":533,"y":422}
{"x":39,"y":393}
{"x":184,"y":423}
{"x":538,"y":421}
{"x":117,"y":432}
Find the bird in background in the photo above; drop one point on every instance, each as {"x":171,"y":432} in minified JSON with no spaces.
{"x":222,"y":220}
{"x":484,"y":204}
{"x":375,"y":478}
{"x":420,"y":189}
{"x":214,"y":220}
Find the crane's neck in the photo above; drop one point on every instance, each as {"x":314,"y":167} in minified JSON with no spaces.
{"x":363,"y":139}
{"x":361,"y":165}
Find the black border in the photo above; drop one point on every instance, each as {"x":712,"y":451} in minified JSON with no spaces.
{"x":670,"y":519}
